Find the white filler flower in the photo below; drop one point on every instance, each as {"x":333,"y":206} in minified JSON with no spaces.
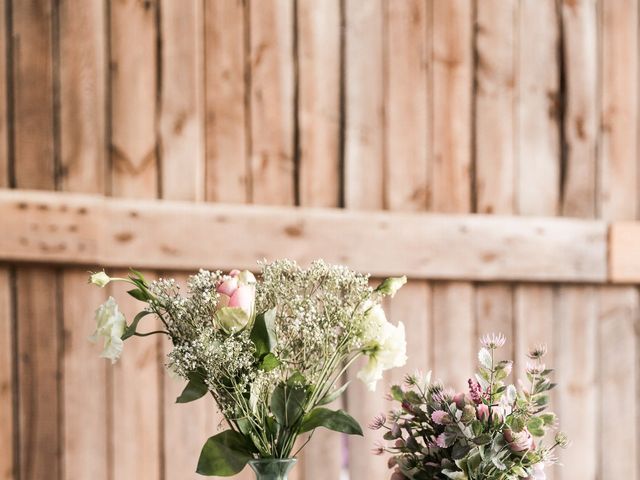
{"x":386,"y":349}
{"x":110,"y":325}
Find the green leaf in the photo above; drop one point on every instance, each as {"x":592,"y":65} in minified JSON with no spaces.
{"x":287,"y":403}
{"x":536,"y":426}
{"x":338,"y":421}
{"x":518,"y":470}
{"x":263,"y":332}
{"x":138,"y":294}
{"x":269,"y":362}
{"x":331,"y":396}
{"x":224,"y":454}
{"x":549,"y":418}
{"x":131,"y":329}
{"x":484,"y":356}
{"x":194,"y":390}
{"x":137,"y":274}
{"x":391,"y":285}
{"x":396,"y":393}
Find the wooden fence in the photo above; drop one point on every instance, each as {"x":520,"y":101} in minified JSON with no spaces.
{"x":433,"y":111}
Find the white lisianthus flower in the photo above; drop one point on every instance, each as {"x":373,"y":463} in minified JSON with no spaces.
{"x":110,"y":325}
{"x":100,"y":279}
{"x":388,"y":351}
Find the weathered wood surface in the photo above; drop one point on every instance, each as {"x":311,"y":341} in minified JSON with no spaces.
{"x":115,"y":232}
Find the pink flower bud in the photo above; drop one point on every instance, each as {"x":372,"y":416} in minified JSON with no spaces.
{"x":244,"y":298}
{"x":518,"y":441}
{"x":234,"y":273}
{"x":228,"y":287}
{"x":482,"y":411}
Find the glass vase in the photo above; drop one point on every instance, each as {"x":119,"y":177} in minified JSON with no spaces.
{"x":272,"y":468}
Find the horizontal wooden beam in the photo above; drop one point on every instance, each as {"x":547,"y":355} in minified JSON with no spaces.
{"x":624,"y":252}
{"x":62,"y":228}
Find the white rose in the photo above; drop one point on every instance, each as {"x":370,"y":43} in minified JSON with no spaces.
{"x":110,"y":325}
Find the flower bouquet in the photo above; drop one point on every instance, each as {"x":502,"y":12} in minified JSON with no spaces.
{"x":271,"y":352}
{"x":494,"y":431}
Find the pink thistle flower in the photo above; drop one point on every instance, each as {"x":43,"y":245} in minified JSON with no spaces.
{"x":440,"y":417}
{"x":440,"y":442}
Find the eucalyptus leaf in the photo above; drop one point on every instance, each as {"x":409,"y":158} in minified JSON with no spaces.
{"x":225,"y":454}
{"x":338,"y":421}
{"x":484,"y":356}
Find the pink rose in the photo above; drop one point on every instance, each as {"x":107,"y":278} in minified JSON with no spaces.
{"x":236,"y":302}
{"x":518,"y":441}
{"x":243,"y":298}
{"x":482,"y":411}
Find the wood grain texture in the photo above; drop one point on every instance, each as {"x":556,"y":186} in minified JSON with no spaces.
{"x":181,"y":121}
{"x":272,"y":102}
{"x":494,"y":311}
{"x":495,"y":112}
{"x":7,"y":387}
{"x":227,"y":162}
{"x":83,"y":96}
{"x":118,"y":232}
{"x":133,"y":68}
{"x":364,"y":101}
{"x":538,"y":109}
{"x":579,"y":27}
{"x":618,"y":173}
{"x":624,"y":259}
{"x":34,"y":165}
{"x":454,"y":342}
{"x":452,"y":105}
{"x":4,"y":97}
{"x":32,"y":51}
{"x":84,"y":153}
{"x":39,"y":403}
{"x":85,"y":389}
{"x":407,"y":102}
{"x":618,"y":374}
{"x":319,"y":86}
{"x":137,"y":430}
{"x":576,"y":371}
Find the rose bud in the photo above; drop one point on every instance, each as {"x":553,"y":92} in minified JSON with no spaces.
{"x":518,"y":441}
{"x":482,"y":411}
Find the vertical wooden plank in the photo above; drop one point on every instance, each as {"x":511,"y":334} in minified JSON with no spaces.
{"x":538,"y":129}
{"x":618,"y":374}
{"x":225,"y":101}
{"x":272,"y":102}
{"x":319,"y":102}
{"x":618,"y":149}
{"x":576,"y":365}
{"x":7,"y":387}
{"x":83,"y":153}
{"x":495,"y":126}
{"x":454,"y":342}
{"x":4,"y":97}
{"x":495,"y":115}
{"x":136,"y":437}
{"x":363,"y":182}
{"x":364,"y":103}
{"x":454,"y":336}
{"x":86,"y":421}
{"x":38,"y":373}
{"x":494,"y":314}
{"x":181,"y":100}
{"x":133,"y":98}
{"x":452,"y":105}
{"x":32,"y":49}
{"x":406,"y":104}
{"x":618,"y":200}
{"x":37,"y":306}
{"x":318,"y":37}
{"x":83,"y":75}
{"x":579,"y":27}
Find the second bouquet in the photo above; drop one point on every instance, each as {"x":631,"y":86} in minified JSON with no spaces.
{"x":272,"y":352}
